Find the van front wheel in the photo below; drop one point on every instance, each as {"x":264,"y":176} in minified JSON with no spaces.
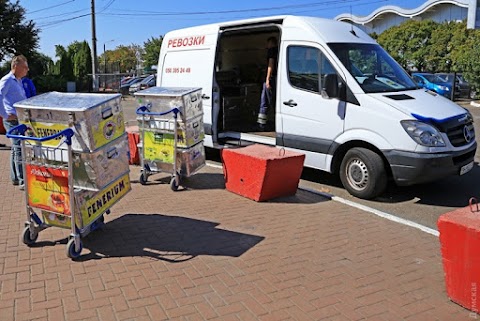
{"x":362,"y":173}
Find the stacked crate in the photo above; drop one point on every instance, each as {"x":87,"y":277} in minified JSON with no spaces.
{"x":158,"y":131}
{"x":100,"y":155}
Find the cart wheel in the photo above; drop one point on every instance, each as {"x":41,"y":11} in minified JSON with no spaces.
{"x":173,"y":184}
{"x":71,"y":253}
{"x":143,"y":178}
{"x":27,"y":239}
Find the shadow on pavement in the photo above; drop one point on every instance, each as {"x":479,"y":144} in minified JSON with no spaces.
{"x":198,"y":181}
{"x":453,"y":191}
{"x":301,"y":197}
{"x":169,"y":238}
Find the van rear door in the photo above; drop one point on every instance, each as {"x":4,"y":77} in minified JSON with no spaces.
{"x":309,"y":122}
{"x":189,"y":62}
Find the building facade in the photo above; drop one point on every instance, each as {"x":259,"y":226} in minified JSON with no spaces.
{"x":436,"y":10}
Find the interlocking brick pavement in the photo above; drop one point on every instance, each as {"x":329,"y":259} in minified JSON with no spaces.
{"x":207,"y":254}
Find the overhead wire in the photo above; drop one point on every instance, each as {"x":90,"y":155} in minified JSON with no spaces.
{"x":312,"y":7}
{"x":51,"y":7}
{"x":181,"y":13}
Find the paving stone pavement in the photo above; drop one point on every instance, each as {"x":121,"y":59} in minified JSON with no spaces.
{"x":204,"y":253}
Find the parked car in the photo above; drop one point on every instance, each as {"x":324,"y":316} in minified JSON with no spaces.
{"x":433,"y":83}
{"x":462,"y":87}
{"x":136,"y":86}
{"x":124,"y":88}
{"x":148,"y":82}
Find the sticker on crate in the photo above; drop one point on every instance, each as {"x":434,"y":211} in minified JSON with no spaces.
{"x":93,"y":204}
{"x":158,"y":147}
{"x":100,"y":133}
{"x":48,"y":188}
{"x":56,"y":219}
{"x":40,"y":129}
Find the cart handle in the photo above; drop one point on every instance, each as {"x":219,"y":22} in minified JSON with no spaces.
{"x":22,"y":128}
{"x":143,"y":110}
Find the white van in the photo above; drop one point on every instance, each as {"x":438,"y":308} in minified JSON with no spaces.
{"x":340,"y":99}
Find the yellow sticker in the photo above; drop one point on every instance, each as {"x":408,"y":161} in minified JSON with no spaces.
{"x":41,"y":129}
{"x":104,"y":199}
{"x":158,"y":147}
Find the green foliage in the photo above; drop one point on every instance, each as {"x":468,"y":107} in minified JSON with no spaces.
{"x":467,"y":58}
{"x":409,"y":43}
{"x":64,"y":64}
{"x":39,"y":64}
{"x":151,"y":51}
{"x":46,"y":83}
{"x":17,"y":36}
{"x":73,"y":64}
{"x":127,"y":56}
{"x":429,"y":46}
{"x":82,"y":64}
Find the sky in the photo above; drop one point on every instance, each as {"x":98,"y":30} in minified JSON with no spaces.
{"x":124,"y":22}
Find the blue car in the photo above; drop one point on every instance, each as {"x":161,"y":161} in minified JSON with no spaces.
{"x":433,"y":83}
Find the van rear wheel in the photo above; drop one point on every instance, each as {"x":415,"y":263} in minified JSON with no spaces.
{"x":363,"y":174}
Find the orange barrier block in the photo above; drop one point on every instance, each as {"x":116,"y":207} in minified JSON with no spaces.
{"x":3,"y":131}
{"x":460,"y":245}
{"x":261,"y":173}
{"x":133,"y":140}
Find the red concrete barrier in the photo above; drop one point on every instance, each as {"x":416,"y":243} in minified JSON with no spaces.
{"x":460,"y":245}
{"x":3,"y":131}
{"x":260,"y":172}
{"x":133,"y":140}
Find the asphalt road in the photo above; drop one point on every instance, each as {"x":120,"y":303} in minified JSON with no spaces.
{"x":422,"y":204}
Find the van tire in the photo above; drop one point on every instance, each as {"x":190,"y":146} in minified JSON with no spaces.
{"x":363,"y":174}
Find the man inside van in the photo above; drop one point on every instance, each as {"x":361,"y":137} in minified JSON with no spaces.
{"x":268,"y":92}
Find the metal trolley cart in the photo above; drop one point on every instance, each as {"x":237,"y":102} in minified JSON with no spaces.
{"x":146,"y":169}
{"x":49,"y":188}
{"x":161,"y":150}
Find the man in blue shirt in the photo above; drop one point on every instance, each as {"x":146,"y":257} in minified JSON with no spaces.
{"x":11,"y":91}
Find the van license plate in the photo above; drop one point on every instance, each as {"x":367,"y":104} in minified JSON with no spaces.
{"x":466,"y":168}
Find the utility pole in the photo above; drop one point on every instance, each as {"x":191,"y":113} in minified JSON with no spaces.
{"x":94,"y":50}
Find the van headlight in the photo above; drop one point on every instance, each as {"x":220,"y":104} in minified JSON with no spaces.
{"x":423,"y":134}
{"x":443,"y":88}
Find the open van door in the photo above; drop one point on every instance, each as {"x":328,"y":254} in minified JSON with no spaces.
{"x":310,"y":121}
{"x":188,"y":61}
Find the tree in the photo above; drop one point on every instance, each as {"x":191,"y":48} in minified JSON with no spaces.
{"x":17,"y":36}
{"x":127,"y":56}
{"x":64,"y":66}
{"x":78,"y":54}
{"x":82,"y":65}
{"x":409,"y":43}
{"x":152,"y":51}
{"x":446,"y":40}
{"x":39,"y":64}
{"x":467,"y":58}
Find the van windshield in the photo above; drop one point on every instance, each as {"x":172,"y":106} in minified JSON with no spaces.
{"x":373,"y":69}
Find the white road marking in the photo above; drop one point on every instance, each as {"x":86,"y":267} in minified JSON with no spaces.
{"x":474,"y":104}
{"x":362,"y":207}
{"x":376,"y":212}
{"x":214,"y":165}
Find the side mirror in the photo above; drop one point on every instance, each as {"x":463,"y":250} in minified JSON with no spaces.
{"x":333,"y":88}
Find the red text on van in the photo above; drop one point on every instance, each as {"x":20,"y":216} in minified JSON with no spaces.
{"x":186,"y":42}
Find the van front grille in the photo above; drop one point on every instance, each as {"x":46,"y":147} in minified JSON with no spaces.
{"x":461,"y":135}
